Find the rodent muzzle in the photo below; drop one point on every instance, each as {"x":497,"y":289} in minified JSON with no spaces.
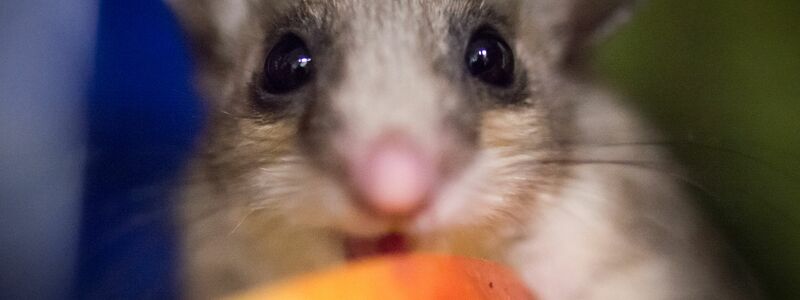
{"x":395,"y":178}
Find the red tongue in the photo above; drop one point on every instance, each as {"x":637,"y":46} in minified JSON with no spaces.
{"x":392,"y":243}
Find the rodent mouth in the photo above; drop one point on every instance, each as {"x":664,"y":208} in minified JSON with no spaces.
{"x":387,"y":244}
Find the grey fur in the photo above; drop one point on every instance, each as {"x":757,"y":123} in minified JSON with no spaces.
{"x":531,"y":180}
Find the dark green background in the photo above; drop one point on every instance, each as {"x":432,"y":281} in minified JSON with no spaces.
{"x":722,"y":80}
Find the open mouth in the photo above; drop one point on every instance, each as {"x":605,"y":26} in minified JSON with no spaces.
{"x":391,"y":243}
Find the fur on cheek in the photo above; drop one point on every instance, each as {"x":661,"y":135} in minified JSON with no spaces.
{"x":504,"y":179}
{"x":294,"y":190}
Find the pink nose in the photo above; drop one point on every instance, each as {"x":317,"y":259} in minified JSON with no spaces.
{"x":395,"y":178}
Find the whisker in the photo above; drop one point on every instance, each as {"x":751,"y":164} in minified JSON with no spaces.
{"x":645,"y":165}
{"x":656,"y":167}
{"x":572,"y":211}
{"x":249,"y":213}
{"x":694,"y":146}
{"x":238,"y":116}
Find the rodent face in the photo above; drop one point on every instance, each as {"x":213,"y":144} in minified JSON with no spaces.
{"x":391,"y":122}
{"x":340,"y":129}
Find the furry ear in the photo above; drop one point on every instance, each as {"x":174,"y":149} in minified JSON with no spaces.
{"x":571,"y":27}
{"x":195,"y":17}
{"x":209,"y":24}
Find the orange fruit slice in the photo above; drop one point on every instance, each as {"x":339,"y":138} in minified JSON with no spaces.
{"x":402,"y":277}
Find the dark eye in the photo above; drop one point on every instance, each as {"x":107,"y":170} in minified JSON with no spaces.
{"x":288,"y":65}
{"x":490,"y":59}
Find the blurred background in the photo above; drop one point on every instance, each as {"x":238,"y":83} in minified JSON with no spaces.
{"x":45,"y":63}
{"x":722,"y":80}
{"x":97,"y":113}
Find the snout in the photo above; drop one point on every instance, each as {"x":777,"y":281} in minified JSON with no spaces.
{"x":396,"y":177}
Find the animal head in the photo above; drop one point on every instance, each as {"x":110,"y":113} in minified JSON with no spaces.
{"x":371,"y":116}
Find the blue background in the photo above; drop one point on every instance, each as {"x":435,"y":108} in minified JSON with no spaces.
{"x":143,"y":117}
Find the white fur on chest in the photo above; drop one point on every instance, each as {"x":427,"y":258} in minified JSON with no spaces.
{"x":577,"y":248}
{"x":621,"y":227}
